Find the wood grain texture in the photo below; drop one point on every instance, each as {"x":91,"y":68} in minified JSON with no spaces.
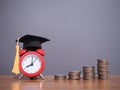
{"x":9,"y":83}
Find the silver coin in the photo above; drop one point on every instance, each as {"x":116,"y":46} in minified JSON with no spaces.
{"x":60,"y":77}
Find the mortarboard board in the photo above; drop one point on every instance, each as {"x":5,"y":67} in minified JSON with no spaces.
{"x":31,"y":42}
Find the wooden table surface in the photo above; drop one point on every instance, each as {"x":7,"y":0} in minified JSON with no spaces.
{"x":9,"y":83}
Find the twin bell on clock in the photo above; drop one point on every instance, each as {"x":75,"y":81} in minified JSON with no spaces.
{"x":29,"y":60}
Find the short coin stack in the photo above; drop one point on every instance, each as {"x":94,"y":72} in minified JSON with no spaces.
{"x":88,"y":72}
{"x":74,"y":75}
{"x":60,"y":77}
{"x":103,"y":69}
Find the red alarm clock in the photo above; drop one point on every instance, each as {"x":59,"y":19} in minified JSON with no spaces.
{"x":32,"y":62}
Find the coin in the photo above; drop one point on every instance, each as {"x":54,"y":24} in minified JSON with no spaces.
{"x":74,"y":72}
{"x":60,"y":77}
{"x":88,"y":72}
{"x":102,"y":61}
{"x":92,"y":75}
{"x":105,"y":77}
{"x":103,"y":69}
{"x":102,"y":66}
{"x":88,"y":78}
{"x":88,"y":69}
{"x":74,"y":75}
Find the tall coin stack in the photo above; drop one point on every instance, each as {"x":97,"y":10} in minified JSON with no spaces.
{"x":88,"y":72}
{"x":103,"y":69}
{"x":74,"y":75}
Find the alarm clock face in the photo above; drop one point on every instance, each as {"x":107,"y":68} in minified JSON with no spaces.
{"x":31,"y":64}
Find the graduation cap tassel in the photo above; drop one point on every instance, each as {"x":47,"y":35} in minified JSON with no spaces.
{"x":16,"y":61}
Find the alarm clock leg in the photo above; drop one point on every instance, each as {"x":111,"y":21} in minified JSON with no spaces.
{"x":20,"y":76}
{"x":15,"y":77}
{"x":42,"y":76}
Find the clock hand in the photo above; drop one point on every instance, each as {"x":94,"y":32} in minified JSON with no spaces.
{"x":29,"y":65}
{"x":32,"y":60}
{"x":35,"y":60}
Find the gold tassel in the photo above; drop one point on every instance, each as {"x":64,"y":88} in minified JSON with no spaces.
{"x":16,"y":61}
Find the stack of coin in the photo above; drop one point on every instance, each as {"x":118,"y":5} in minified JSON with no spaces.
{"x":88,"y":72}
{"x":103,"y":69}
{"x":74,"y":75}
{"x":60,"y":77}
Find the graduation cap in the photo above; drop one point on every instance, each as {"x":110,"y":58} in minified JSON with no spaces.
{"x":31,"y":42}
